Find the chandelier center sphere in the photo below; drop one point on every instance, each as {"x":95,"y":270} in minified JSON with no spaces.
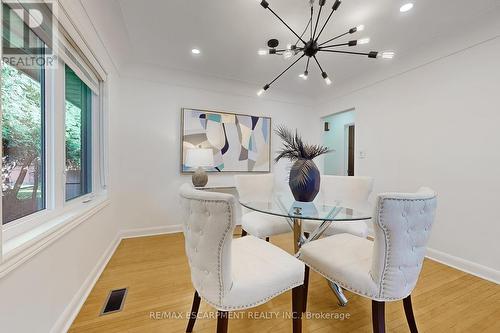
{"x":311,"y":48}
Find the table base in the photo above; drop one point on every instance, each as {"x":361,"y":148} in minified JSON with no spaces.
{"x":299,"y":239}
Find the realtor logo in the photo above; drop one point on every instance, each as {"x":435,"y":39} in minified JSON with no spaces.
{"x":27,"y":31}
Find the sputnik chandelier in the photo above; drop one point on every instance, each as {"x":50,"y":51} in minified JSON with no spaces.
{"x":310,"y":47}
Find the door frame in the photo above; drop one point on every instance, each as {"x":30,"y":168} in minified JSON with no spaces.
{"x":346,"y":147}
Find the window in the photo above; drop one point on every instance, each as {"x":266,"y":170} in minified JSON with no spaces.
{"x":78,"y":123}
{"x":23,"y":137}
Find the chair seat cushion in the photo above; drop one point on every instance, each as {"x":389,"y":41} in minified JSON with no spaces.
{"x":260,"y":271}
{"x":344,"y":259}
{"x":356,"y":228}
{"x":264,"y":225}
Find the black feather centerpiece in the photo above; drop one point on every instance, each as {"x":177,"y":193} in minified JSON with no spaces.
{"x":304,"y":178}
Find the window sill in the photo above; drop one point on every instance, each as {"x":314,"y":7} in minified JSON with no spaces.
{"x":20,"y":249}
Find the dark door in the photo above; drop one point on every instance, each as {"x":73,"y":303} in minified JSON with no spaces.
{"x":350,"y":162}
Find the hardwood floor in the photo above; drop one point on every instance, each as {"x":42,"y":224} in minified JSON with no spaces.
{"x":156,"y":273}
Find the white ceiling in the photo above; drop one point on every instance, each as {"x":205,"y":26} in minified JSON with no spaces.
{"x":229,"y":33}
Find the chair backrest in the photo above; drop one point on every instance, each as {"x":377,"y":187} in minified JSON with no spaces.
{"x":402,"y":225}
{"x":349,"y":191}
{"x":254,"y":187}
{"x":208,"y":224}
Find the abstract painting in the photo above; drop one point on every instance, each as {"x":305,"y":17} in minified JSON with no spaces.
{"x":240,"y":143}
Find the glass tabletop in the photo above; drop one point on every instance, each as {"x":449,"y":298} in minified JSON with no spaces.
{"x":281,"y":204}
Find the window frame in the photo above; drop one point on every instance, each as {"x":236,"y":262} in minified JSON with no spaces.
{"x":45,"y":87}
{"x":90,"y":127}
{"x":55,"y":157}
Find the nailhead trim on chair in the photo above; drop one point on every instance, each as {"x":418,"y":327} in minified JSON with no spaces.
{"x":354,"y":290}
{"x":251,"y":305}
{"x":387,"y":246}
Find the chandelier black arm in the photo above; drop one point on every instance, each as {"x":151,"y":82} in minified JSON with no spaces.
{"x":311,"y":19}
{"x":296,"y":61}
{"x":334,"y":38}
{"x":372,"y":54}
{"x":296,"y":49}
{"x":279,"y":18}
{"x":337,"y":45}
{"x":317,"y":21}
{"x":321,"y":68}
{"x":307,"y":65}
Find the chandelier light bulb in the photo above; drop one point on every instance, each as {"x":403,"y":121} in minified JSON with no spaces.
{"x":262,"y":52}
{"x":326,"y":78}
{"x":386,"y":55}
{"x":263,"y":90}
{"x":288,"y":54}
{"x":304,"y":75}
{"x":363,"y":41}
{"x":360,"y":27}
{"x":406,"y":7}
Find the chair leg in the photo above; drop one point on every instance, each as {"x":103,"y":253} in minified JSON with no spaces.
{"x":243,"y":233}
{"x":297,"y":308}
{"x":306,"y":287}
{"x":222,"y":321}
{"x":409,"y":314}
{"x":378,"y":317}
{"x":267,"y":239}
{"x":194,"y":312}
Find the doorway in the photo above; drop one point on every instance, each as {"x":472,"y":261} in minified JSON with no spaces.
{"x":339,"y":137}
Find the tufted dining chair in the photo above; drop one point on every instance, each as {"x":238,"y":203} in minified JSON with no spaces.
{"x":255,"y":188}
{"x":233,"y":274}
{"x":384,"y":270}
{"x":351,"y":192}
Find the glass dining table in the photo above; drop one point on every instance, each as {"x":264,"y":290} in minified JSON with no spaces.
{"x":295,"y":213}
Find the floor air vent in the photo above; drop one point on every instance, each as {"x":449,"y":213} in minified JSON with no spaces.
{"x":114,"y":302}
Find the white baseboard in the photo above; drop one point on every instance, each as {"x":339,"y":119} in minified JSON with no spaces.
{"x":152,"y":231}
{"x":68,"y":316}
{"x":470,"y":267}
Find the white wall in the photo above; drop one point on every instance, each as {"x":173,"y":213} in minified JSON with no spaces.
{"x":335,"y":139}
{"x":437,"y":125}
{"x":149,"y":130}
{"x":35,"y":295}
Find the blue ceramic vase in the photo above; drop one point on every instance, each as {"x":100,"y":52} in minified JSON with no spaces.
{"x":304,"y":180}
